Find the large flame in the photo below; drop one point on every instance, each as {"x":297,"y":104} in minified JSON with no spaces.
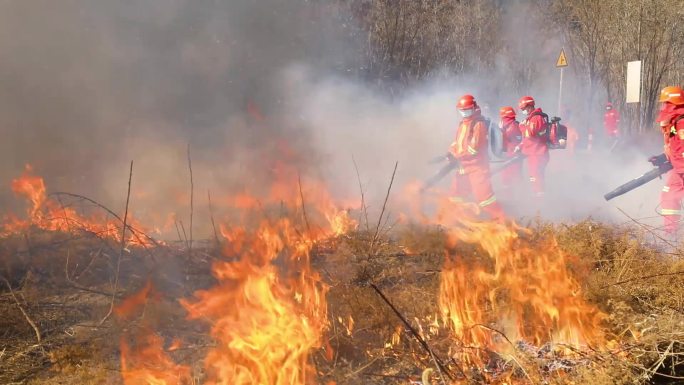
{"x":520,"y":291}
{"x":144,"y":360}
{"x":49,"y":214}
{"x":268,"y":309}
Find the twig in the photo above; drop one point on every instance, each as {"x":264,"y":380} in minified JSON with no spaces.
{"x":121,"y":249}
{"x":66,"y":265}
{"x":360,"y":369}
{"x":496,"y":331}
{"x":192,"y":200}
{"x":643,"y":277}
{"x":211,"y":215}
{"x":66,"y":217}
{"x":180,"y":239}
{"x":133,"y":230}
{"x":384,"y":205}
{"x":83,"y":288}
{"x":646,"y":228}
{"x":301,"y":194}
{"x":438,"y":363}
{"x":21,"y":308}
{"x":653,"y":369}
{"x":185,"y":235}
{"x":387,"y":376}
{"x":363,"y":195}
{"x":87,"y":266}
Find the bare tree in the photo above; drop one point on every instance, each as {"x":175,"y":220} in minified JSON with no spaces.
{"x":411,"y":40}
{"x":604,"y":35}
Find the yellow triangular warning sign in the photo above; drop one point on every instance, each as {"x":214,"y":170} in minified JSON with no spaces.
{"x":562,"y":61}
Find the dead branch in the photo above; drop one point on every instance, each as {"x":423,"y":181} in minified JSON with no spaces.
{"x":21,"y":308}
{"x":87,"y":266}
{"x":301,"y":195}
{"x":647,"y":228}
{"x":363,"y":196}
{"x":185,"y":235}
{"x":211,"y":216}
{"x":72,"y":283}
{"x":192,"y":200}
{"x":180,"y":239}
{"x":121,"y":250}
{"x":643,"y":277}
{"x":136,"y":233}
{"x":362,"y":368}
{"x":495,"y":331}
{"x":384,"y":206}
{"x":438,"y":363}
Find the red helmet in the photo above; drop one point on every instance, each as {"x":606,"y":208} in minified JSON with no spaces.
{"x":672,"y":94}
{"x":526,"y":101}
{"x":466,"y":102}
{"x":507,"y":112}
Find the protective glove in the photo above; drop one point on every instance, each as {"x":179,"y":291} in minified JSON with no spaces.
{"x":657,"y":160}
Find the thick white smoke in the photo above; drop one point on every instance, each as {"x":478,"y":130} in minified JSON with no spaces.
{"x":90,"y":85}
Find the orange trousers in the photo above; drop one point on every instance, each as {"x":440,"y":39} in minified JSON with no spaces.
{"x":511,"y":175}
{"x":476,"y":181}
{"x":671,"y":201}
{"x":536,"y":167}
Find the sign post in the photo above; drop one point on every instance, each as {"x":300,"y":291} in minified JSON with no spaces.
{"x":633,"y":87}
{"x":633,"y":90}
{"x":561,"y":63}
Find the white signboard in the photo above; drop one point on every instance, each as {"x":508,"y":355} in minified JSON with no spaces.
{"x":633,"y":91}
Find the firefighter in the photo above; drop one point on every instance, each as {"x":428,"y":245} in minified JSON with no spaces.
{"x":470,"y":150}
{"x":511,"y":139}
{"x":671,"y":121}
{"x":611,"y":119}
{"x":535,"y":143}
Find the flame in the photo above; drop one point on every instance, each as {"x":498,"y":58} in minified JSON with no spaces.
{"x":268,"y":310}
{"x":266,"y":320}
{"x":49,"y":214}
{"x":175,"y":345}
{"x":521,"y":291}
{"x":145,"y":362}
{"x":126,"y":309}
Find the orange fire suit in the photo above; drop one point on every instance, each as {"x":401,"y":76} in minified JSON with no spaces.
{"x":511,"y":138}
{"x":673,"y":191}
{"x":535,"y":147}
{"x":472,"y":176}
{"x":610,"y":123}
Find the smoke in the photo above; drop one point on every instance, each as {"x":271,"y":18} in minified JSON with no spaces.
{"x":90,"y":85}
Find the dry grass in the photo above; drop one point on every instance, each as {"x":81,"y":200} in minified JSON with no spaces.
{"x":639,"y":285}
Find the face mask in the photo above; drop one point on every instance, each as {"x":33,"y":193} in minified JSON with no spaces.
{"x":466,"y":113}
{"x":524,"y":112}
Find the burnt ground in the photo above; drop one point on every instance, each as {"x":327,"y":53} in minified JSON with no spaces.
{"x":62,"y":284}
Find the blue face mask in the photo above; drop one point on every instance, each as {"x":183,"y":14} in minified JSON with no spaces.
{"x":466,"y":113}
